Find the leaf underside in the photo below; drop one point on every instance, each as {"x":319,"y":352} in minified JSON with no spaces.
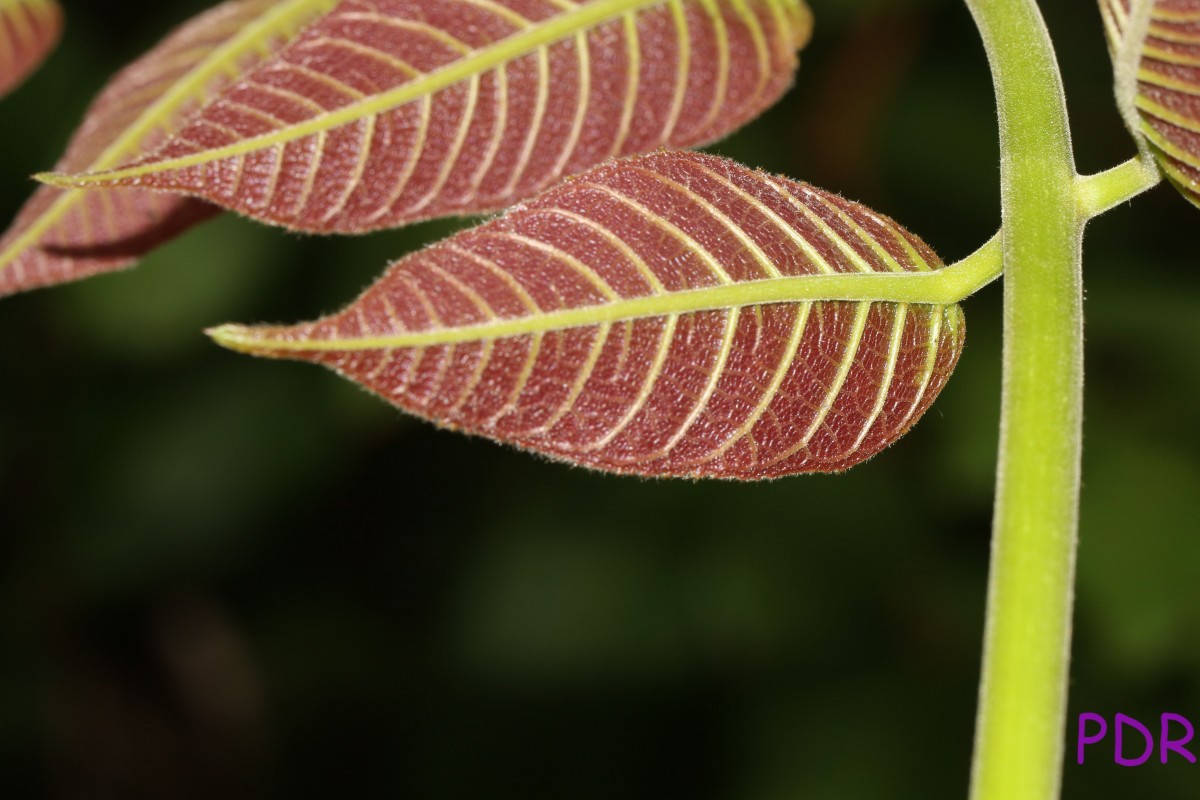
{"x":29,"y":29}
{"x":1168,"y":98}
{"x":386,"y":112}
{"x":596,"y":324}
{"x":66,"y":235}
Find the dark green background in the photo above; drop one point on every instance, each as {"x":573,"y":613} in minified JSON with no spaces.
{"x":223,"y":577}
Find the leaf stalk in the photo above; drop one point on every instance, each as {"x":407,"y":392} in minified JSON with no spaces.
{"x":1098,"y":193}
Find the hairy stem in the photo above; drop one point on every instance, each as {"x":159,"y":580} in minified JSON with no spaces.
{"x":1022,"y":709}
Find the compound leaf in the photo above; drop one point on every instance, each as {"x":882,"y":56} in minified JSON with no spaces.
{"x":65,"y":235}
{"x":385,"y":112}
{"x":29,"y":29}
{"x":631,"y":320}
{"x":1167,"y":95}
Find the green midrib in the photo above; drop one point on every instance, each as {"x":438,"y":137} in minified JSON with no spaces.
{"x":584,"y":17}
{"x":253,"y":36}
{"x":929,"y":288}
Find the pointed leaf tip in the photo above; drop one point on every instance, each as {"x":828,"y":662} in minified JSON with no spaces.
{"x":63,"y":234}
{"x":29,"y":30}
{"x":61,"y":180}
{"x":1165,"y":81}
{"x":378,"y":115}
{"x":630,"y":320}
{"x":233,"y":337}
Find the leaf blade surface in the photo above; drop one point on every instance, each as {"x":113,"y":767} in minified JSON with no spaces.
{"x":618,"y":322}
{"x":29,"y":30}
{"x":388,"y":112}
{"x":62,"y":235}
{"x":1168,"y":85}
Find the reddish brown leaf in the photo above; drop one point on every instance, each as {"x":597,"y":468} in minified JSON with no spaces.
{"x":65,"y":235}
{"x":631,"y":320}
{"x":385,"y":112}
{"x":29,"y":29}
{"x":1168,"y":85}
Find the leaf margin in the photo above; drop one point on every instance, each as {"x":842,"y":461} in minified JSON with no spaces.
{"x":47,"y":12}
{"x":1128,"y":31}
{"x":580,"y":18}
{"x":250,"y":38}
{"x":870,"y":289}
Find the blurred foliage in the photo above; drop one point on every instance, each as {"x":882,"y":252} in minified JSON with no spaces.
{"x":226,"y":577}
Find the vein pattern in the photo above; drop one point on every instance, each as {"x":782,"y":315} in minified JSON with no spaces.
{"x":547,"y":327}
{"x":65,"y":235}
{"x":1168,"y":97}
{"x":29,"y":29}
{"x":384,"y":112}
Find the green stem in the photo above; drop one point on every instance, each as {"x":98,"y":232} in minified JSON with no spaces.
{"x":1022,"y":710}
